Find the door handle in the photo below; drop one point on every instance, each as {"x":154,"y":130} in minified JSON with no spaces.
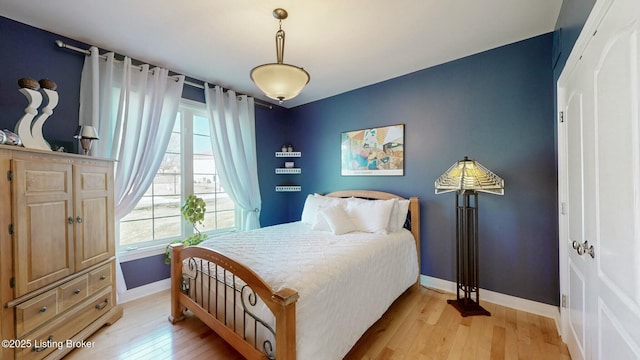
{"x":579,"y":248}
{"x":583,"y":248}
{"x":575,"y":245}
{"x":590,"y":250}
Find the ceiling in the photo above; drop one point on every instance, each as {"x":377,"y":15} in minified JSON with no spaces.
{"x":344,"y":45}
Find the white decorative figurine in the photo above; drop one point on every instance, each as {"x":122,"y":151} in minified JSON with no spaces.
{"x":48,"y":88}
{"x":29,"y":88}
{"x":29,"y":129}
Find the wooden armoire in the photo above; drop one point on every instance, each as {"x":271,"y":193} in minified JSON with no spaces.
{"x":57,"y":251}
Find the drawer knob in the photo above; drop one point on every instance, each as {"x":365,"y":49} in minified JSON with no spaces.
{"x":43,"y":309}
{"x":103,"y":304}
{"x":103,"y":277}
{"x":76,"y":292}
{"x":42,"y":348}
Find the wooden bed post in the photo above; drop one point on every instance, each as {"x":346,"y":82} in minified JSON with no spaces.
{"x":176,"y":283}
{"x":414,"y":206}
{"x":286,"y":324}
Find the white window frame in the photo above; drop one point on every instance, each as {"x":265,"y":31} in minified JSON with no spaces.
{"x":187,"y":109}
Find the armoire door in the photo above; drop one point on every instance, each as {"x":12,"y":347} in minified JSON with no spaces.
{"x":43,"y":235}
{"x":599,"y":143}
{"x":94,"y":214}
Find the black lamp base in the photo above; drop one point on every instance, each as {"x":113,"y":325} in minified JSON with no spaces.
{"x":468,"y":307}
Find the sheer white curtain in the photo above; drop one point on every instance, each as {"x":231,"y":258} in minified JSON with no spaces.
{"x":233,"y":138}
{"x":134,"y":111}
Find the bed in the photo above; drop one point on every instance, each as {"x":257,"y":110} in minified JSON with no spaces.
{"x":307,"y":289}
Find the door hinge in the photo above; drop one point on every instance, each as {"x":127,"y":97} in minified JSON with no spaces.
{"x":9,"y":175}
{"x":562,"y":208}
{"x":561,"y":116}
{"x":10,"y":229}
{"x":12,"y":282}
{"x":564,"y":301}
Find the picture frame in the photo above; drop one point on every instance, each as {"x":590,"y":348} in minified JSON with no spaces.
{"x":373,"y":152}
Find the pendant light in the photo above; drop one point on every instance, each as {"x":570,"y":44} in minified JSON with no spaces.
{"x":280,"y":81}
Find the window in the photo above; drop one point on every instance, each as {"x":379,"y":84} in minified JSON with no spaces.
{"x":188,"y":167}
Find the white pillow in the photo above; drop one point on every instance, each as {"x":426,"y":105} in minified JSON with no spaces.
{"x":319,"y":223}
{"x":398,"y":215}
{"x":312,"y":204}
{"x":337,"y":219}
{"x":371,"y":215}
{"x":310,"y":209}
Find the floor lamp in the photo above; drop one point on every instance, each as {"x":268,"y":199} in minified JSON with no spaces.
{"x":467,"y":178}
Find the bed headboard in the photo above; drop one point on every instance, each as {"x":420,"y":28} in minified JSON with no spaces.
{"x":413,"y":216}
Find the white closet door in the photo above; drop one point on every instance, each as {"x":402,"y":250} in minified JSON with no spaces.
{"x":601,"y":141}
{"x":617,"y":143}
{"x":578,"y":126}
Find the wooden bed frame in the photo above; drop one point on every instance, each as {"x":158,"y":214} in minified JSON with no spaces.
{"x":281,"y":303}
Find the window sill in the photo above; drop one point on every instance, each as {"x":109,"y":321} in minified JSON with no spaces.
{"x":125,"y":254}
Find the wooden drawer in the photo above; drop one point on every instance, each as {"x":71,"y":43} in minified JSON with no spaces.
{"x":32,"y":313}
{"x":54,"y":335}
{"x":100,"y":277}
{"x":72,"y":292}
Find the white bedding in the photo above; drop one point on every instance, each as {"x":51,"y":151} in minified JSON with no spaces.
{"x":345,"y":282}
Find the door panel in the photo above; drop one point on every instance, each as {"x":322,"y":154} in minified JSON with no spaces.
{"x":575,"y":214}
{"x":615,"y":90}
{"x":577,"y":309}
{"x":613,"y":337}
{"x":575,"y":192}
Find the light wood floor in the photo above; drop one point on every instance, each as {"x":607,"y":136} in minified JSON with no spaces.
{"x":419,"y":325}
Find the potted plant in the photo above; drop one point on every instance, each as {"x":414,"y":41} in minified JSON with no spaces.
{"x":193,"y":211}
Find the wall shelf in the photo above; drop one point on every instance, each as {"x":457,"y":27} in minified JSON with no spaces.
{"x":288,"y":154}
{"x":288,"y":188}
{"x":288,"y":170}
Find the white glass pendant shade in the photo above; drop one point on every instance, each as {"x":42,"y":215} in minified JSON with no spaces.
{"x":280,"y":81}
{"x":469,"y":175}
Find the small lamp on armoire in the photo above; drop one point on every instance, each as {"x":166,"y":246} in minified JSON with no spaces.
{"x":86,"y":134}
{"x":468,"y":177}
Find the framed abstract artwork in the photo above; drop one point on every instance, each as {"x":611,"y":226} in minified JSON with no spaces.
{"x":373,"y":152}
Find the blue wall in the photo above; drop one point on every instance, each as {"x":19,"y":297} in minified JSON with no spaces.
{"x":571,"y":19}
{"x":29,"y":52}
{"x":496,"y":107}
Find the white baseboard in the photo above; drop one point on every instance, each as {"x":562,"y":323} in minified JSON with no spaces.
{"x":143,"y":291}
{"x":513,"y":302}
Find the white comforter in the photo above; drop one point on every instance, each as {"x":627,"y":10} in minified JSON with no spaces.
{"x":345,"y":282}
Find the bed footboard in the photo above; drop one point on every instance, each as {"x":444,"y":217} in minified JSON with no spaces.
{"x":232,"y":300}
